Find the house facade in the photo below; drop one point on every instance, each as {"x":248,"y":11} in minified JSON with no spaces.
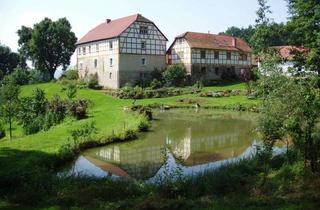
{"x":208,"y":57}
{"x":121,"y":51}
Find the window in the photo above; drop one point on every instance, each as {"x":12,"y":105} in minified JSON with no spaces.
{"x":228,"y":55}
{"x":216,"y":55}
{"x":110,"y":45}
{"x":79,"y":51}
{"x":143,"y":30}
{"x":95,"y":63}
{"x":97,"y":47}
{"x":111,"y":62}
{"x":84,"y":50}
{"x":81,"y":66}
{"x":143,"y":61}
{"x":243,"y":57}
{"x":110,"y":75}
{"x":143,"y":45}
{"x":203,"y":54}
{"x":89,"y":49}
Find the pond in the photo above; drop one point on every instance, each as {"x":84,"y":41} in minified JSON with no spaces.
{"x":187,"y":141}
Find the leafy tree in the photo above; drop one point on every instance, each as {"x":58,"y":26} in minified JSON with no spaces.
{"x":290,"y":115}
{"x":20,"y":76}
{"x":243,"y":33}
{"x":305,"y":24}
{"x":9,"y":60}
{"x":9,"y":102}
{"x":49,"y":44}
{"x":175,"y":75}
{"x":262,"y":13}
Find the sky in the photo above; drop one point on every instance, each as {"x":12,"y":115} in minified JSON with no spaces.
{"x":172,"y":17}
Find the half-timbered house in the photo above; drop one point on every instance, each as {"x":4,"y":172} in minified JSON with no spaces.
{"x":210,"y":57}
{"x":121,"y":51}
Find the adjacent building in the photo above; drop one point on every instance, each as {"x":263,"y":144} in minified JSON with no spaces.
{"x":210,"y":57}
{"x":122,"y":51}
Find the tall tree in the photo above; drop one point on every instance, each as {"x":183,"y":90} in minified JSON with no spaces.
{"x":243,"y":33}
{"x":9,"y":101}
{"x":262,"y":34}
{"x":49,"y":44}
{"x":8,"y":60}
{"x":305,"y":24}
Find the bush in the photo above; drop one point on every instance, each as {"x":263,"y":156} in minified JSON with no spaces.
{"x":84,"y":133}
{"x":175,"y":75}
{"x":2,"y":131}
{"x":78,"y":108}
{"x":38,"y":76}
{"x":144,"y":125}
{"x":71,"y":90}
{"x":70,"y":74}
{"x":93,"y":81}
{"x":155,"y":84}
{"x":58,"y":108}
{"x":20,"y":76}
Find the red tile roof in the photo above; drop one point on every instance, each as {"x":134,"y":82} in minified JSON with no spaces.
{"x":287,"y":52}
{"x":112,"y":29}
{"x":216,"y":42}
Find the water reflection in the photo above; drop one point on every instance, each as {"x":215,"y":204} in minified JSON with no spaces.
{"x":192,"y":142}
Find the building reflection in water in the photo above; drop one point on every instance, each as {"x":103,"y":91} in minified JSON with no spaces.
{"x":192,"y":144}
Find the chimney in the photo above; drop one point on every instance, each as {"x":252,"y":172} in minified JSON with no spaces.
{"x":234,"y":42}
{"x":108,"y":20}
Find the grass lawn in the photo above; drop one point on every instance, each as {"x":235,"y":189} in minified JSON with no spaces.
{"x":106,"y":111}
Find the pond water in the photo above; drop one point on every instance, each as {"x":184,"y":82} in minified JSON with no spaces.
{"x":187,"y":141}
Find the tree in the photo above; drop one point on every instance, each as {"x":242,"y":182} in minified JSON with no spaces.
{"x":243,"y":33}
{"x":9,"y":60}
{"x":49,"y":44}
{"x":290,"y":115}
{"x":261,"y":36}
{"x":9,"y":102}
{"x":305,"y":24}
{"x":175,"y":75}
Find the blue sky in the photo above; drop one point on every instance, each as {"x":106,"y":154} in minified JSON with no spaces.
{"x":173,"y":17}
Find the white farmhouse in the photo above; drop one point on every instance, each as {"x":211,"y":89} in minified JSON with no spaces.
{"x":210,"y":57}
{"x":121,"y":51}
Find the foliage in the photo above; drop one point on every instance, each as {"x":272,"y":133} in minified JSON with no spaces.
{"x":70,"y":74}
{"x":304,"y":23}
{"x":38,"y":76}
{"x":243,"y":33}
{"x":290,"y":114}
{"x":155,"y":84}
{"x":9,"y":61}
{"x":9,"y":102}
{"x":49,"y":44}
{"x":71,"y":90}
{"x":175,"y":75}
{"x":2,"y":131}
{"x":93,"y":81}
{"x":78,"y":108}
{"x":83,"y":134}
{"x":58,"y":109}
{"x":20,"y":76}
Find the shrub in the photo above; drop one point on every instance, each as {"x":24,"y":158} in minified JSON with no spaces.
{"x":38,"y":76}
{"x":175,"y":75}
{"x":155,"y":84}
{"x":20,"y":76}
{"x":93,"y":81}
{"x":58,"y":108}
{"x":71,"y":74}
{"x":78,"y":108}
{"x":2,"y":131}
{"x":34,"y":126}
{"x":71,"y":90}
{"x":84,"y":133}
{"x":144,"y":125}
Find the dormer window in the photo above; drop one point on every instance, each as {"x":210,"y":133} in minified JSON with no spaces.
{"x":143,"y":30}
